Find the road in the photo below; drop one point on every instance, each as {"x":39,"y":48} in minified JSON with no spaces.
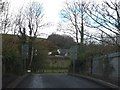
{"x":57,"y":81}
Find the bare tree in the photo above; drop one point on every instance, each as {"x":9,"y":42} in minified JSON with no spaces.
{"x":27,"y":24}
{"x":34,"y":17}
{"x":19,"y":27}
{"x":34,"y":20}
{"x":74,"y":13}
{"x":1,"y":14}
{"x":6,"y":17}
{"x":105,"y":18}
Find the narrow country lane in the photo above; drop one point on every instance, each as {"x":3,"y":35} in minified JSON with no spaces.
{"x":57,"y":81}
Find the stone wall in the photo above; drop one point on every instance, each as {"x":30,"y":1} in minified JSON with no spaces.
{"x":107,"y":65}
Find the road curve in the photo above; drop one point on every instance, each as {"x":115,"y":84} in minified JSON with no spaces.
{"x":57,"y":81}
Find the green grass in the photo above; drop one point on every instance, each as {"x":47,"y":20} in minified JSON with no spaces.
{"x":59,"y":63}
{"x":53,"y":71}
{"x":56,"y":71}
{"x":56,"y":66}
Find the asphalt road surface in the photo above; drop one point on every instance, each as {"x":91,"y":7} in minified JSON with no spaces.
{"x":57,"y":81}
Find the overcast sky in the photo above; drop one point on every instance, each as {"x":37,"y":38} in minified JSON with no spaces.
{"x":51,"y":9}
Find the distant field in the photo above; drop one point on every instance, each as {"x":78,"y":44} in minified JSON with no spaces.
{"x":57,"y":65}
{"x":56,"y":71}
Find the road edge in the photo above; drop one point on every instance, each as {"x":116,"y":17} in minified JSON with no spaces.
{"x":17,"y":81}
{"x":103,"y":83}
